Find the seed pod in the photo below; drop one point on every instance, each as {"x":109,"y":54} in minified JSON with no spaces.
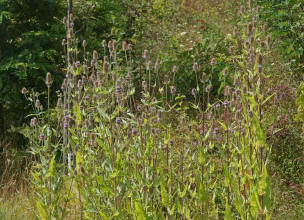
{"x":250,"y":3}
{"x":23,"y":91}
{"x":172,"y":90}
{"x":95,"y":55}
{"x":260,"y":59}
{"x":195,"y":67}
{"x":48,"y":79}
{"x":268,"y":41}
{"x":174,"y":69}
{"x":104,"y":43}
{"x":148,"y":65}
{"x":59,"y":102}
{"x":63,"y":85}
{"x":129,"y":46}
{"x":157,"y":64}
{"x":85,"y":69}
{"x":110,"y":45}
{"x":105,"y":67}
{"x":249,"y":28}
{"x":124,"y":45}
{"x":63,"y":43}
{"x":84,"y":43}
{"x":145,"y":54}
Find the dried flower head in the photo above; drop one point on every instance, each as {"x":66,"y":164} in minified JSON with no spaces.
{"x":63,"y":43}
{"x":95,"y":55}
{"x":145,"y":54}
{"x":195,"y":67}
{"x":124,"y":45}
{"x":174,"y":69}
{"x":59,"y":102}
{"x":105,"y":67}
{"x":48,"y":79}
{"x":84,"y":43}
{"x":24,"y":91}
{"x":172,"y":90}
{"x":157,"y":64}
{"x":33,"y":122}
{"x":104,"y":43}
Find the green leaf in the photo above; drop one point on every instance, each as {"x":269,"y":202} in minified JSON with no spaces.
{"x":42,"y":211}
{"x":140,"y":212}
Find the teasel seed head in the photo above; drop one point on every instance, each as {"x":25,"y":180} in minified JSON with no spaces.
{"x":212,"y":62}
{"x":265,"y":27}
{"x":105,"y":67}
{"x":144,"y":85}
{"x":227,"y":91}
{"x":95,"y":55}
{"x":172,"y":90}
{"x":250,"y":3}
{"x":249,"y":28}
{"x":263,"y":44}
{"x":193,"y":92}
{"x":104,"y":43}
{"x":70,"y":33}
{"x":231,"y":49}
{"x":110,"y":45}
{"x":124,"y":46}
{"x":59,"y":102}
{"x":174,"y":69}
{"x":128,"y":76}
{"x":166,"y":79}
{"x":114,"y":44}
{"x":225,"y":72}
{"x":63,"y":43}
{"x":208,"y":88}
{"x":260,"y":69}
{"x":64,"y":84}
{"x":260,"y":59}
{"x":34,"y":122}
{"x":195,"y":67}
{"x":242,"y":9}
{"x":129,"y":46}
{"x":268,"y":41}
{"x":145,"y":54}
{"x":85,"y":69}
{"x":37,"y":104}
{"x":148,"y":65}
{"x":204,"y":77}
{"x":48,"y":79}
{"x":84,"y":43}
{"x":24,"y":91}
{"x":157,"y":64}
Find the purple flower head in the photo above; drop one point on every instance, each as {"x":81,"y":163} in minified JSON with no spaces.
{"x":226,"y":103}
{"x":33,"y":122}
{"x":218,"y":105}
{"x":118,"y":89}
{"x":118,"y":121}
{"x":138,"y":107}
{"x":193,"y":91}
{"x":87,"y":97}
{"x":203,"y":132}
{"x":77,"y":64}
{"x":208,"y":88}
{"x":65,"y":124}
{"x":42,"y":137}
{"x":134,"y":131}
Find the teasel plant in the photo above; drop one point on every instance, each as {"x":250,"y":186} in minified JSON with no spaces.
{"x":122,"y":150}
